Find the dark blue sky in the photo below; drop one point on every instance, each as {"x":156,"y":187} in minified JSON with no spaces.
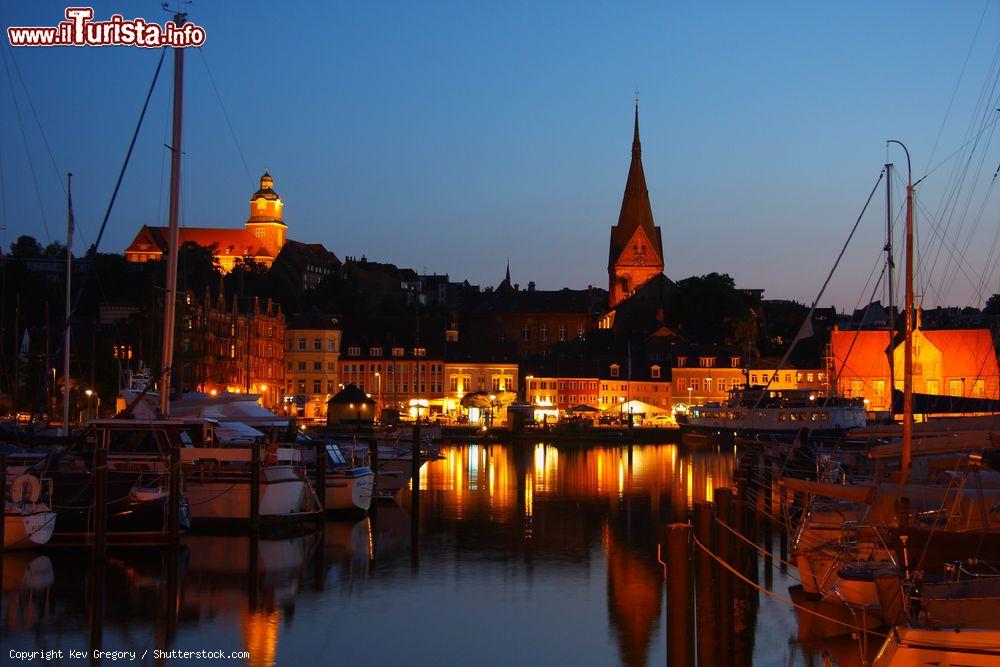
{"x":449,"y":136}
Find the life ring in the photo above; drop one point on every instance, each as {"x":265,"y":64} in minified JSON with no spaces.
{"x":25,"y":488}
{"x":271,"y":458}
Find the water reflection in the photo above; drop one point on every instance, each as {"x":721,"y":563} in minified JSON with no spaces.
{"x":528,"y":553}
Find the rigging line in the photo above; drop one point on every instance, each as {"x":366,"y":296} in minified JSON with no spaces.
{"x":972,"y":232}
{"x":956,"y":151}
{"x":833,"y":269}
{"x":24,"y":138}
{"x":959,"y":261}
{"x":225,"y":114}
{"x":961,"y":74}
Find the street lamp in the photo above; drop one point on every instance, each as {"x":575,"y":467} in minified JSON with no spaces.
{"x":89,"y":393}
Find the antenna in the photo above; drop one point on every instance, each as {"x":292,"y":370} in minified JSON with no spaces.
{"x":637,"y":94}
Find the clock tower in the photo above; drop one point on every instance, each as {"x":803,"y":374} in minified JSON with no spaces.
{"x":265,"y":221}
{"x":636,"y":248}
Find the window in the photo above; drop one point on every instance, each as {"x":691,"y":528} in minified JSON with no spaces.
{"x":878,"y":388}
{"x":734,"y":362}
{"x":302,"y":365}
{"x":496,"y":383}
{"x":232,"y":351}
{"x":353,"y":351}
{"x":397,"y":351}
{"x":302,"y":344}
{"x":681,"y":384}
{"x":695,"y":384}
{"x":526,"y":333}
{"x":301,"y":386}
{"x":857,"y":388}
{"x":330,"y":366}
{"x":978,"y":388}
{"x":562,"y":332}
{"x":654,"y":372}
{"x":615,"y":368}
{"x":543,"y":333}
{"x":375,"y":352}
{"x":955,"y":387}
{"x":330,"y":347}
{"x":317,"y":386}
{"x":453,"y":386}
{"x":317,"y":344}
{"x":682,"y":362}
{"x":420,"y":352}
{"x":706,"y":362}
{"x":317,"y":366}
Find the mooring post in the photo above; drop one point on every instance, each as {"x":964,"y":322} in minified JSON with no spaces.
{"x":680,"y":596}
{"x":174,"y":493}
{"x":704,"y":521}
{"x":321,"y":474}
{"x":415,"y":495}
{"x":373,"y":464}
{"x":100,"y":495}
{"x":255,"y":472}
{"x":723,"y":549}
{"x":3,"y":497}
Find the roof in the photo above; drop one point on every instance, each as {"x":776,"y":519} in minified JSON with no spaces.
{"x":506,"y":299}
{"x":238,"y":242}
{"x":967,"y":353}
{"x":350,"y":395}
{"x":636,"y":212}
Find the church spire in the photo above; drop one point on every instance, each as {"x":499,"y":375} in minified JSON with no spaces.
{"x":636,"y":146}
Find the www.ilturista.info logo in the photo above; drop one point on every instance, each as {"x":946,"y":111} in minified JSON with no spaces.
{"x":81,"y":30}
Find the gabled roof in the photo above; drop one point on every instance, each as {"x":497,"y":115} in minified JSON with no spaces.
{"x":967,"y":353}
{"x":238,"y":242}
{"x":860,"y":353}
{"x":636,"y":212}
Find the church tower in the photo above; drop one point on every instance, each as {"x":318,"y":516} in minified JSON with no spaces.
{"x":265,"y":220}
{"x":636,"y":248}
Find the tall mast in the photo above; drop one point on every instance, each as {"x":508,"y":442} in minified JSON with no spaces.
{"x":908,"y":342}
{"x":170,"y":302}
{"x":69,"y":302}
{"x":891,"y":267}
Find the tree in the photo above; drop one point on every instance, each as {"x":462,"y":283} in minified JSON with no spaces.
{"x":55,"y":250}
{"x":26,"y":247}
{"x":992,"y":305}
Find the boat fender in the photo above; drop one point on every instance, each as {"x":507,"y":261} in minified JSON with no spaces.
{"x":25,"y":488}
{"x":272,"y":454}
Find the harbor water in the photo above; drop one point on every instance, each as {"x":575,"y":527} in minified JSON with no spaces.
{"x":525,"y":553}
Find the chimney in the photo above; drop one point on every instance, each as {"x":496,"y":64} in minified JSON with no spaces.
{"x":531,"y":286}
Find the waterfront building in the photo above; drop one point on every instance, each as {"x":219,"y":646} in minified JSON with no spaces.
{"x":636,"y":252}
{"x":224,"y":347}
{"x":534,"y":320}
{"x":261,"y":239}
{"x":312,"y":354}
{"x":396,"y":375}
{"x":706,"y":375}
{"x":946,"y":362}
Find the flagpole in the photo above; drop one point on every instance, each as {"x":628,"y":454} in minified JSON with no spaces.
{"x":69,"y":303}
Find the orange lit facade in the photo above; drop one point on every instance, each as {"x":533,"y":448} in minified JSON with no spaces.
{"x":636,"y":254}
{"x":946,"y":362}
{"x":394,"y":375}
{"x":312,"y":356}
{"x":261,"y":239}
{"x":223,"y":349}
{"x":703,"y":377}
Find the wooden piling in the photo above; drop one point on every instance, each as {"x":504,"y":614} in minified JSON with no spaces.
{"x":3,"y":497}
{"x":255,"y":473}
{"x":680,"y":597}
{"x":174,"y":494}
{"x":723,"y":549}
{"x":100,"y":497}
{"x":415,"y":495}
{"x":373,"y":464}
{"x":321,"y":473}
{"x":706,"y":612}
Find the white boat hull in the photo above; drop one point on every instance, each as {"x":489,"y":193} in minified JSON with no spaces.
{"x":345,"y":493}
{"x":282,"y":493}
{"x":27,"y":528}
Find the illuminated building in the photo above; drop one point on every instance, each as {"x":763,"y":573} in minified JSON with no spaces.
{"x":700,"y":376}
{"x":261,"y":239}
{"x":312,"y":353}
{"x":225,"y":349}
{"x":636,"y":253}
{"x":463,"y":376}
{"x":946,"y":362}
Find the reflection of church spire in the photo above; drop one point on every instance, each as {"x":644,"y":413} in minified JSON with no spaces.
{"x":634,"y":598}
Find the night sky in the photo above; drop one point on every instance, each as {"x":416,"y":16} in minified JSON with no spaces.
{"x":448,"y":137}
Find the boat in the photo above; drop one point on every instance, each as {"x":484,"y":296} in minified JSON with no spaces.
{"x":777,"y":413}
{"x":395,"y":463}
{"x":28,"y":522}
{"x":349,"y":488}
{"x":941,"y":647}
{"x":136,"y":496}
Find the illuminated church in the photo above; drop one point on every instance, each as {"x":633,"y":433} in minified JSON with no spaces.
{"x":263,"y":235}
{"x":636,"y":248}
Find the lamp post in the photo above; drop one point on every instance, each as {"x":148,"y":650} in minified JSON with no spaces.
{"x":89,"y":393}
{"x":378,"y":378}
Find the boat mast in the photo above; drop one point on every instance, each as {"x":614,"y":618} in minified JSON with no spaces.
{"x":908,"y":342}
{"x":69,"y":301}
{"x":891,"y":267}
{"x":170,"y":300}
